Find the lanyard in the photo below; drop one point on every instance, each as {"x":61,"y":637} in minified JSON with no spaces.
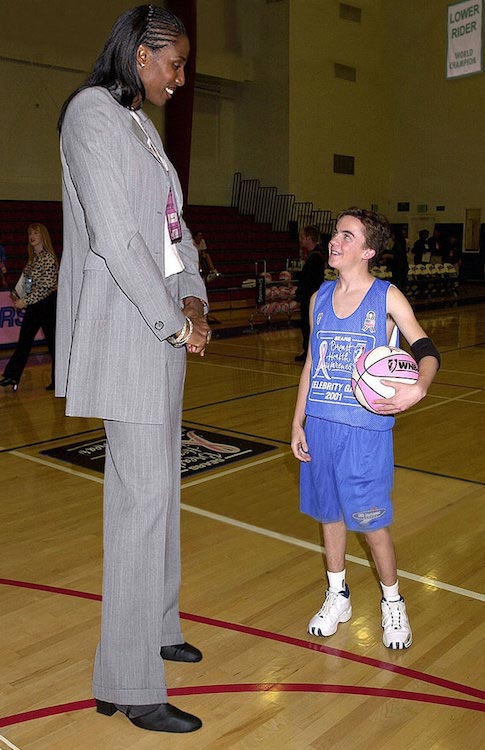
{"x":151,"y":146}
{"x":171,"y":213}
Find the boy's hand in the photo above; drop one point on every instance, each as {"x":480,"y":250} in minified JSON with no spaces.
{"x":299,"y":444}
{"x":406,"y":395}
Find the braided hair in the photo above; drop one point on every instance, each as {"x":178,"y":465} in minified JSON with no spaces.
{"x":115,"y":69}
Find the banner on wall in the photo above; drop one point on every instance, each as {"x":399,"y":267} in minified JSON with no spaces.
{"x":464,"y":55}
{"x":10,"y":322}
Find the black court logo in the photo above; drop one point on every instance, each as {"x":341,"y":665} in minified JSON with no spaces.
{"x":202,"y":450}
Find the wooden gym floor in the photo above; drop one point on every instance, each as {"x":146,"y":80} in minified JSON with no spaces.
{"x":253,"y":571}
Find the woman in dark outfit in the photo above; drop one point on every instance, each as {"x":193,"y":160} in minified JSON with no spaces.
{"x":38,"y":299}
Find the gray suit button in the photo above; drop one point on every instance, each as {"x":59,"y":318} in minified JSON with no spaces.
{"x":159,"y":325}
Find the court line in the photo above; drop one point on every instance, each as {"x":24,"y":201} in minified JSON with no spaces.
{"x":438,"y":474}
{"x":280,"y":638}
{"x":258,"y":529}
{"x":413,"y":674}
{"x":287,"y":640}
{"x":247,"y":369}
{"x":51,"y":440}
{"x":8,"y":744}
{"x":297,"y":687}
{"x":318,"y":548}
{"x":58,"y":467}
{"x":259,"y":687}
{"x":273,"y":440}
{"x":288,"y":363}
{"x":241,"y":398}
{"x":441,"y":402}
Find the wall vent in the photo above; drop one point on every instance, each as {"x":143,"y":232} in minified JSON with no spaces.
{"x":350,"y":12}
{"x":343,"y":164}
{"x":345,"y":71}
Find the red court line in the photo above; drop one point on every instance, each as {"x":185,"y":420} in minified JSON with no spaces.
{"x":405,"y":671}
{"x":288,"y":640}
{"x":51,"y":589}
{"x":261,"y":687}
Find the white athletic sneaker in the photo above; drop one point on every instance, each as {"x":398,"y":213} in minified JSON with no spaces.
{"x":336,"y":608}
{"x":397,"y":631}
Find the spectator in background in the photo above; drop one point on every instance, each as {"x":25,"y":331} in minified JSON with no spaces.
{"x":206,"y":266}
{"x":397,"y":260}
{"x":311,"y":277}
{"x":38,"y":298}
{"x":421,"y":246}
{"x":439,"y":245}
{"x":3,"y":267}
{"x":452,"y":253}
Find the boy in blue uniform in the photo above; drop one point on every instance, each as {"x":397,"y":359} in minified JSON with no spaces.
{"x":346,"y":452}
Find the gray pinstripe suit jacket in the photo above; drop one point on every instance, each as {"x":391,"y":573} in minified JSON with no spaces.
{"x":115,"y":307}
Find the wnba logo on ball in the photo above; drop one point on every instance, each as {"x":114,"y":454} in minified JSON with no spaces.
{"x":381,"y":363}
{"x":402,"y":365}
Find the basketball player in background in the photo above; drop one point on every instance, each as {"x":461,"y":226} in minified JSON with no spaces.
{"x":346,"y":452}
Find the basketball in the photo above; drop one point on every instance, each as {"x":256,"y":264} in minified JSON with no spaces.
{"x":386,"y":363}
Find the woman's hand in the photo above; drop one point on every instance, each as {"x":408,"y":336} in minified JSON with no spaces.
{"x":200,"y":336}
{"x":299,"y":444}
{"x":19,"y":304}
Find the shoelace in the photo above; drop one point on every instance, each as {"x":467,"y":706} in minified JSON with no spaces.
{"x":395,"y":614}
{"x":330,"y":601}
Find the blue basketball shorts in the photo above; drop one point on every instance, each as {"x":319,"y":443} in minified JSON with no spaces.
{"x":350,"y":476}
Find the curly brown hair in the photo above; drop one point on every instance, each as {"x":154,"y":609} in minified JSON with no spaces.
{"x":376,"y":230}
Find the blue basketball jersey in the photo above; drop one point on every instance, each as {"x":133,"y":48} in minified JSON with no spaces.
{"x":335,"y":345}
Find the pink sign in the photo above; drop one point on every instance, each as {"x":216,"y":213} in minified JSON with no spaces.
{"x":10,"y":322}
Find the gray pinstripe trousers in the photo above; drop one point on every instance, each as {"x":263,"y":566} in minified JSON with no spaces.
{"x":141,"y":574}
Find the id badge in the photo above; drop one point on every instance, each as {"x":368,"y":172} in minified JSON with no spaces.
{"x":173,"y":222}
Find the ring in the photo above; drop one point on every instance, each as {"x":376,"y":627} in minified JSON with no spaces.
{"x":209,"y":334}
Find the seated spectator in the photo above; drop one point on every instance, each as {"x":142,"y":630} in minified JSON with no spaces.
{"x":206,"y":266}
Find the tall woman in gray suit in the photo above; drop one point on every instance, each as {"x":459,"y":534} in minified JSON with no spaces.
{"x":130,"y":302}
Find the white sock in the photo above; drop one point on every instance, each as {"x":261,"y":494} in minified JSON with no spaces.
{"x":336,"y":581}
{"x":391,"y":593}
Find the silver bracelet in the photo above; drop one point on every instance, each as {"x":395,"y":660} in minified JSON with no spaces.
{"x":184,"y":335}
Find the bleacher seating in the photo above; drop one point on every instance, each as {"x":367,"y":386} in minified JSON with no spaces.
{"x":234,"y":242}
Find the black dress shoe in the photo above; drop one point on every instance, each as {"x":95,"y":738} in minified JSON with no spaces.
{"x":300,"y":357}
{"x":51,"y":387}
{"x":6,"y":382}
{"x":181,"y":652}
{"x":161,"y":718}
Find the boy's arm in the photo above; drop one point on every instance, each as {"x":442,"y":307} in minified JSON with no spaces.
{"x":298,"y":440}
{"x":407,"y":395}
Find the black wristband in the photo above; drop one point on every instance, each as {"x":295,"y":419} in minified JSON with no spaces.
{"x":425,"y":348}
